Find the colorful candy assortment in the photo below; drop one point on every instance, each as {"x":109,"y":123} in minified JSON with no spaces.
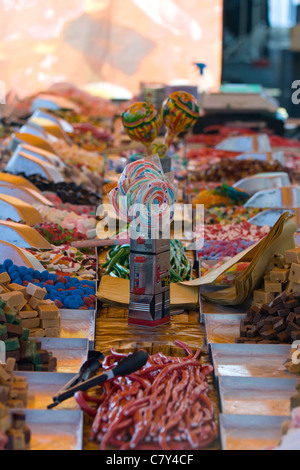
{"x":232,"y":232}
{"x":232,"y":170}
{"x":229,"y":215}
{"x":223,"y":195}
{"x":227,"y":278}
{"x":57,"y":236}
{"x":220,"y":250}
{"x":67,"y":260}
{"x":67,"y":292}
{"x":67,"y":220}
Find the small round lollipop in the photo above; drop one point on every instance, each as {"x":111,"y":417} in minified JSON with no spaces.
{"x":142,"y":122}
{"x":179,"y":113}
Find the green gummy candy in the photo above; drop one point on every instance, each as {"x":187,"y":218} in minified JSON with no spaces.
{"x":3,"y":330}
{"x":10,"y":318}
{"x":17,"y":320}
{"x":30,"y":350}
{"x":25,"y":335}
{"x":11,"y":344}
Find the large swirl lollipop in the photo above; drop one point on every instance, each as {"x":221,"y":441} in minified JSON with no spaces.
{"x":179,"y":113}
{"x":154,"y":203}
{"x":144,"y":192}
{"x":142,"y":122}
{"x":136,"y":170}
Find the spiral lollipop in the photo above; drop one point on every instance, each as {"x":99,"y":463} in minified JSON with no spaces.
{"x":142,"y":122}
{"x":179,"y":113}
{"x":154,"y":202}
{"x":136,"y":170}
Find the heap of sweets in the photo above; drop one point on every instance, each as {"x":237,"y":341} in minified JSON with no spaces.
{"x":66,"y":260}
{"x":282,"y":276}
{"x":65,"y":291}
{"x":232,"y":170}
{"x":66,"y":219}
{"x":232,"y":232}
{"x":57,"y":235}
{"x":13,"y":389}
{"x":26,"y":306}
{"x":275,"y":322}
{"x":227,"y":278}
{"x":78,"y":209}
{"x":27,"y":352}
{"x":222,"y":195}
{"x":217,"y":242}
{"x":229,"y":215}
{"x":222,"y":250}
{"x":90,"y":137}
{"x":74,"y":156}
{"x":14,"y":433}
{"x":67,"y":192}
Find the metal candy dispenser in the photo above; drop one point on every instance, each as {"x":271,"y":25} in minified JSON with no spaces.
{"x":149,"y":281}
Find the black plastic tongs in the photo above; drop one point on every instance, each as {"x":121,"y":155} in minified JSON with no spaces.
{"x":126,"y":366}
{"x":88,"y":369}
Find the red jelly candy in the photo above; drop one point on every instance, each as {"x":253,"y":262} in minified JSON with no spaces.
{"x":87,"y":301}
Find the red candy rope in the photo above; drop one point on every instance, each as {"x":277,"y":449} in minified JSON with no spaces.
{"x":162,"y":406}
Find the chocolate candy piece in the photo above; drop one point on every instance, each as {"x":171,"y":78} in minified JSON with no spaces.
{"x":243,"y":332}
{"x":14,"y":354}
{"x":253,"y":332}
{"x":269,"y":334}
{"x":14,"y":330}
{"x":295,"y":335}
{"x":265,"y":309}
{"x":291,"y":317}
{"x":2,"y":316}
{"x":283,"y":337}
{"x":291,"y":303}
{"x":257,"y":318}
{"x":261,"y":324}
{"x":292,"y":327}
{"x":279,"y":299}
{"x":42,"y":357}
{"x":274,"y":310}
{"x":279,"y":325}
{"x":284,"y":312}
{"x":49,"y":367}
{"x":28,"y":350}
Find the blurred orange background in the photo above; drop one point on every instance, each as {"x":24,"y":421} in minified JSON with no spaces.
{"x":122,"y":42}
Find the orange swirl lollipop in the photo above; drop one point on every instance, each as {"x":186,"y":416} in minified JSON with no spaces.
{"x":142,"y":122}
{"x":179,"y":113}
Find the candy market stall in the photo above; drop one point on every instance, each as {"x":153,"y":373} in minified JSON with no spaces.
{"x":143,"y":344}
